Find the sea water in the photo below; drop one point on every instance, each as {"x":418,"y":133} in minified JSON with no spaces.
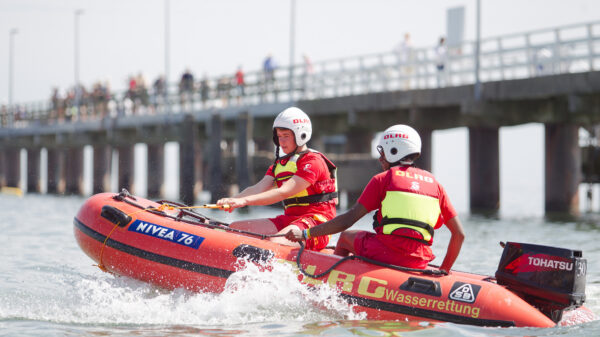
{"x":49,"y":287}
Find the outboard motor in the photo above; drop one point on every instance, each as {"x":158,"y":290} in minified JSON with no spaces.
{"x":551,"y":279}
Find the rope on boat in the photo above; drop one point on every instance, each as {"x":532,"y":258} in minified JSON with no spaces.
{"x":100,"y":263}
{"x":362,"y":258}
{"x":170,"y":205}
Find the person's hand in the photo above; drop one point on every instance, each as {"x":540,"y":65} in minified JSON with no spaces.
{"x":232,"y":203}
{"x":294,"y":235}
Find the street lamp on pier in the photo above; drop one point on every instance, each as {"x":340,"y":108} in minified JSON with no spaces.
{"x":292,"y":45}
{"x":477,"y":86}
{"x":167,"y":55}
{"x":11,"y":50}
{"x":78,"y":13}
{"x":78,"y":90}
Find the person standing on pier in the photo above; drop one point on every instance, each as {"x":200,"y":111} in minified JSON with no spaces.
{"x":410,"y":206}
{"x":303,"y":179}
{"x":440,"y":62}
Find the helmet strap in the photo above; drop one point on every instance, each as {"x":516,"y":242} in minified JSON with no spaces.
{"x":276,"y":154}
{"x":277,"y":157}
{"x":408,"y":160}
{"x":275,"y":139}
{"x":402,"y":163}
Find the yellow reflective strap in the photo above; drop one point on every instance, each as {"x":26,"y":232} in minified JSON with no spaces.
{"x":284,"y":177}
{"x":319,"y":217}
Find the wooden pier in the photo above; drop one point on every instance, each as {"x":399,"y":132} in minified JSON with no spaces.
{"x":232,"y":146}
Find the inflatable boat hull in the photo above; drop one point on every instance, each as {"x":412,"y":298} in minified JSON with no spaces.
{"x":175,"y":254}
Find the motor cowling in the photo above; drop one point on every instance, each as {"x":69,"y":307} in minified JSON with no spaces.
{"x":549,"y":278}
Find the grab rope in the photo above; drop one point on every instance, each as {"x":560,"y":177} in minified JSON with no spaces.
{"x":362,"y":258}
{"x":100,"y":263}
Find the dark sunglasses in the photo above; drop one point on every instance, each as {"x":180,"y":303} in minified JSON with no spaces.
{"x":380,"y":150}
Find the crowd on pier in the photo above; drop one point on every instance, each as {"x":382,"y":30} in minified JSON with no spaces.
{"x":191,"y":93}
{"x":141,"y":97}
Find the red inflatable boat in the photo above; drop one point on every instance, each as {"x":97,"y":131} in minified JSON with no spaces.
{"x":165,"y":244}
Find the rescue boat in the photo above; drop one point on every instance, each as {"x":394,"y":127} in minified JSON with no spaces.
{"x":171,"y":246}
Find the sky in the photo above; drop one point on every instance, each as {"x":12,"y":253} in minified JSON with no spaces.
{"x":119,"y":38}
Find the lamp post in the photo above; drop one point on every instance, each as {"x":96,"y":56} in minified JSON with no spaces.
{"x":477,"y":87}
{"x":78,"y":13}
{"x":167,"y":57}
{"x":78,"y":91}
{"x":11,"y":48}
{"x":292,"y":45}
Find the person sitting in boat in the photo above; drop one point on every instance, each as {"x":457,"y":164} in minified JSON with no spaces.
{"x":304,"y":179}
{"x":410,"y":205}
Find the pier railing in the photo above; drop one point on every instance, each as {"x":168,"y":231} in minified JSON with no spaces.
{"x":565,"y":49}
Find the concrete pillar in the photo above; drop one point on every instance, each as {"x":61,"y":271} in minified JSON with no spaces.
{"x":126,"y":168}
{"x":198,"y":166}
{"x":74,"y":171}
{"x":156,"y":170}
{"x":102,"y":165}
{"x":358,"y":140}
{"x":186,"y":160}
{"x":12,"y":166}
{"x":56,"y":171}
{"x":484,"y":169}
{"x":563,"y":168}
{"x":264,"y":144}
{"x":317,"y":142}
{"x":33,"y":170}
{"x":424,"y":161}
{"x":215,"y":177}
{"x":2,"y":168}
{"x":243,"y":131}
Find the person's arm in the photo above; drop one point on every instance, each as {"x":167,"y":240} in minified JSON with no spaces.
{"x":292,"y":186}
{"x":265,"y":184}
{"x":457,"y":236}
{"x":333,"y":226}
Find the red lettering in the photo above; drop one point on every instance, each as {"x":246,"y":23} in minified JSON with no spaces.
{"x":396,"y":135}
{"x":301,"y":120}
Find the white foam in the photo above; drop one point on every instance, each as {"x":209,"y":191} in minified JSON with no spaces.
{"x":251,"y":295}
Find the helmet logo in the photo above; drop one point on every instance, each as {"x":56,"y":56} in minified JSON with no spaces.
{"x":301,"y":120}
{"x":395,"y":135}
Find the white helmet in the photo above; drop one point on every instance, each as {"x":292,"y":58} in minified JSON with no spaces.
{"x":295,"y":120}
{"x":399,"y":141}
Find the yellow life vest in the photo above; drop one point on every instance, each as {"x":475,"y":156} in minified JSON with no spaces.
{"x":403,"y":209}
{"x":304,"y":198}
